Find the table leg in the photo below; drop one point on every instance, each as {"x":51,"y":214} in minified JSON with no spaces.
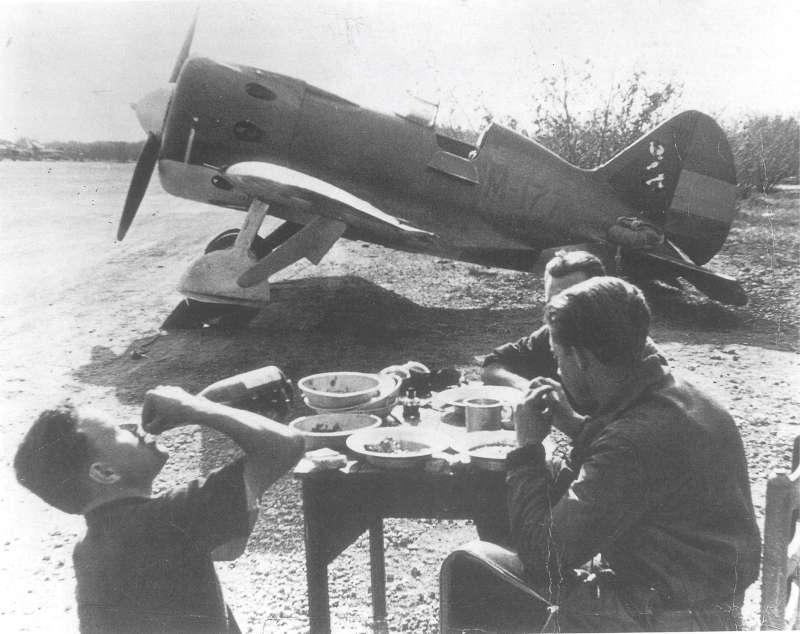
{"x":319,"y":617}
{"x":377,"y":570}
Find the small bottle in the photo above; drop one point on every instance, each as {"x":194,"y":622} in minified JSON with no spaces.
{"x":265,"y":388}
{"x":410,"y":405}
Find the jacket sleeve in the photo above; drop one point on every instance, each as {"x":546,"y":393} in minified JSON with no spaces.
{"x":554,"y":533}
{"x":212,"y":510}
{"x":529,"y":356}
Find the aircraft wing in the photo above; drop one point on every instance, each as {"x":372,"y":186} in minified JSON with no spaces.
{"x":281,"y":185}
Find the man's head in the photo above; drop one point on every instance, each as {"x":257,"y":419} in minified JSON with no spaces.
{"x":567,"y":268}
{"x":71,"y":458}
{"x":598,"y":328}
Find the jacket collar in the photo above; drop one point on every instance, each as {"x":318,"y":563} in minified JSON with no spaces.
{"x":651,"y":373}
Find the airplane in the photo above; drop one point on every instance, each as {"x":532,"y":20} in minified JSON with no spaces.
{"x":312,"y":167}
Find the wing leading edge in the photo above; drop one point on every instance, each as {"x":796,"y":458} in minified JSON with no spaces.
{"x":283,"y":186}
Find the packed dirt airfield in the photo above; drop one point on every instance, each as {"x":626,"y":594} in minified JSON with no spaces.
{"x":80,"y":317}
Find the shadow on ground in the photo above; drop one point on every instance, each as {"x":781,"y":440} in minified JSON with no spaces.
{"x":310,"y":326}
{"x":320,"y":324}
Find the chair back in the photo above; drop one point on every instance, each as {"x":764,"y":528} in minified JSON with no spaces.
{"x":780,"y":575}
{"x":483,"y":589}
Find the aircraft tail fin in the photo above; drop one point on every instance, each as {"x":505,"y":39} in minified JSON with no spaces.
{"x":680,"y":176}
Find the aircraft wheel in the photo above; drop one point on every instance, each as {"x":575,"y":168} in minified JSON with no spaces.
{"x":224,"y":240}
{"x":227,"y":238}
{"x":191,"y":313}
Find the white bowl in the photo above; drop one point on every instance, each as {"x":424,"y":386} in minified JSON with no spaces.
{"x":382,"y":409}
{"x":343,"y":424}
{"x":336,"y":390}
{"x":416,"y":445}
{"x":380,"y":404}
{"x":488,"y":449}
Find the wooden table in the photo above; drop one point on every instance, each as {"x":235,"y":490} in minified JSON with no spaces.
{"x":339,"y":505}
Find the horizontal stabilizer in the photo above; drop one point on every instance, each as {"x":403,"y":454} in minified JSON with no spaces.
{"x":716,"y":286}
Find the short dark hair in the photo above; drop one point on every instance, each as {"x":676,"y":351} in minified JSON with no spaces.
{"x":604,"y":315}
{"x":567,"y":262}
{"x":53,"y":458}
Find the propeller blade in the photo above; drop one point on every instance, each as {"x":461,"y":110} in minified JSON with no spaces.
{"x":141,"y":177}
{"x":184,"y":54}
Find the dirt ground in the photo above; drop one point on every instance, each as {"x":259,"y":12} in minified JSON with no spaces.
{"x":80,"y":317}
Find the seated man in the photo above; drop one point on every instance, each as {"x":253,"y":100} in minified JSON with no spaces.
{"x":515,"y":364}
{"x":656,"y":486}
{"x":145,"y":563}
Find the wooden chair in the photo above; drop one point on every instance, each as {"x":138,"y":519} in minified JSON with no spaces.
{"x":482,"y":589}
{"x":780,"y":572}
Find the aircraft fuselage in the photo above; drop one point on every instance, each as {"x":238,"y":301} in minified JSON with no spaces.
{"x":499,"y":202}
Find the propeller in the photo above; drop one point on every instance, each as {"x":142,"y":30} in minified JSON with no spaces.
{"x":151,"y":111}
{"x":141,"y":178}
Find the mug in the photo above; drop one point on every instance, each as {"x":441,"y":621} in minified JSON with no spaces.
{"x":483,"y":414}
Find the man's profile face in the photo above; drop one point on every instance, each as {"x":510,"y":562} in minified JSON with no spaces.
{"x":554,"y":285}
{"x":573,"y":378}
{"x":134,"y":457}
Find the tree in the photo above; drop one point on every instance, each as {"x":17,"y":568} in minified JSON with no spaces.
{"x":766,"y":150}
{"x":591,"y":135}
{"x":567,"y":119}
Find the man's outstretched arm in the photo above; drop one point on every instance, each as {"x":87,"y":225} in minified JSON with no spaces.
{"x":270,"y":448}
{"x":497,"y":374}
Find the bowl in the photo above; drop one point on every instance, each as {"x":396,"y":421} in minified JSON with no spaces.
{"x":381,"y":409}
{"x":488,"y":449}
{"x":336,"y":390}
{"x":380,"y":404}
{"x":400,"y":447}
{"x":331,"y":430}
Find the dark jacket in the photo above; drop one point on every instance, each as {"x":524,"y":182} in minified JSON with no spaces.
{"x":658,"y":485}
{"x":531,"y":356}
{"x":145,"y":563}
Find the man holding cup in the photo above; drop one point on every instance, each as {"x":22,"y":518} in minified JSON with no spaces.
{"x":656,"y":486}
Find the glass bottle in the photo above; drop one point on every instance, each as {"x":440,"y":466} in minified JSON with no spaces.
{"x":265,"y":388}
{"x":410,"y":405}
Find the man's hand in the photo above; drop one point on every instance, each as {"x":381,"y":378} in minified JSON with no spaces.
{"x":167,"y":407}
{"x":562,"y":416}
{"x":532,"y":417}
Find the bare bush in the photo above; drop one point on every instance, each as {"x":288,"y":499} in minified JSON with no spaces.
{"x":766,"y":151}
{"x":566,"y":118}
{"x":590,"y":136}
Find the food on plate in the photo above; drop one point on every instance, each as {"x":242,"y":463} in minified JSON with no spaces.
{"x":395,"y":446}
{"x":326,"y":428}
{"x":492,"y":451}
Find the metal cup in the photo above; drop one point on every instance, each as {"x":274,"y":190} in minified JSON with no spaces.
{"x":483,"y":414}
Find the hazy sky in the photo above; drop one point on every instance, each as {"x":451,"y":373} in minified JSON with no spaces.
{"x":70,"y":70}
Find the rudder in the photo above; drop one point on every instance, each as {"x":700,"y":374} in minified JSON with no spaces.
{"x":681,"y":176}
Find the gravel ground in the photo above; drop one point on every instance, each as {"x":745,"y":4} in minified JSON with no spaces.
{"x":87,"y":323}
